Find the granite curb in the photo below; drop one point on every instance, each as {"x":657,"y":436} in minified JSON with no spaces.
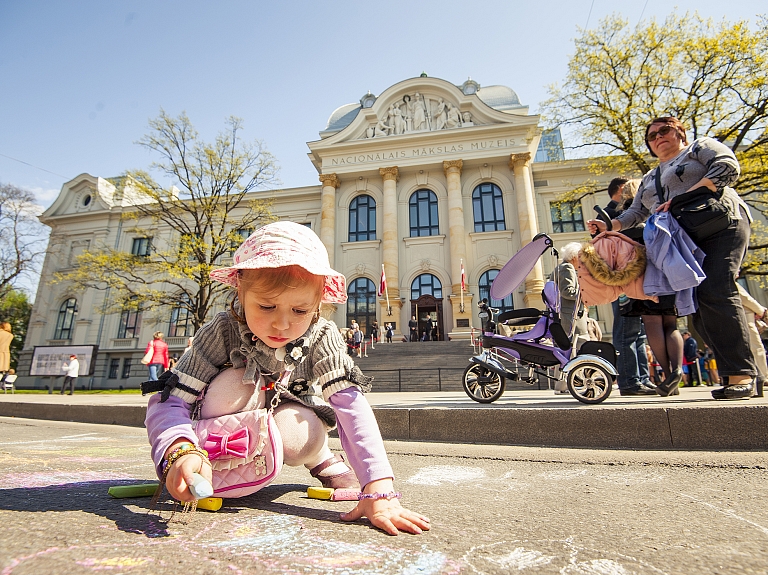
{"x":526,"y":421}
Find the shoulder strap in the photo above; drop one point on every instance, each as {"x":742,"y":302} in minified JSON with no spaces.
{"x":659,"y":190}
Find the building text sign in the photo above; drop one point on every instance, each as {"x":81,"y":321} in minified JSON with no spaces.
{"x":415,"y":152}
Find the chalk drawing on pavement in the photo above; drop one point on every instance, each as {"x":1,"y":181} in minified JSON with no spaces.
{"x":264,"y":543}
{"x":287,"y":545}
{"x":727,"y":513}
{"x":545,"y":555}
{"x":47,"y":479}
{"x":114,"y":563}
{"x":440,"y":474}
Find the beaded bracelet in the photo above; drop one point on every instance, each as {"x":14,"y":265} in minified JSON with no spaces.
{"x":388,"y":496}
{"x":182,"y":450}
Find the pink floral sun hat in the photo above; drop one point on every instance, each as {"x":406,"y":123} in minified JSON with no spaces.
{"x":283,"y":244}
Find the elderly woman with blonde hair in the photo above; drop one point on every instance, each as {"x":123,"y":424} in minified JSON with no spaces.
{"x":568,"y":284}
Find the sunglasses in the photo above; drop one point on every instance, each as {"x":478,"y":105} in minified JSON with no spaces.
{"x":660,"y":132}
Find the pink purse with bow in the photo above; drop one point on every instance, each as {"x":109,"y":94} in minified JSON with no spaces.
{"x":245,"y":450}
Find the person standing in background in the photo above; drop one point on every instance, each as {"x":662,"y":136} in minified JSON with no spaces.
{"x":72,"y":369}
{"x":159,"y":355}
{"x":6,"y":337}
{"x":685,"y":166}
{"x":691,"y":355}
{"x":413,"y":326}
{"x":754,"y":311}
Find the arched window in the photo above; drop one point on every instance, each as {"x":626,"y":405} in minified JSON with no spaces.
{"x":361,"y":303}
{"x":129,"y":321}
{"x":484,"y":287}
{"x":181,"y":321}
{"x":426,"y":284}
{"x":362,"y":219}
{"x":66,"y":321}
{"x":488,"y":208}
{"x":423,"y":213}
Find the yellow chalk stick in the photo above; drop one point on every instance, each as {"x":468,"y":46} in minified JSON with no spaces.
{"x":319,"y":492}
{"x":210,"y":503}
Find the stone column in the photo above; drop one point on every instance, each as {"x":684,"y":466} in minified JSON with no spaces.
{"x":457,"y":243}
{"x":328,"y":213}
{"x":390,"y":252}
{"x":526,"y":213}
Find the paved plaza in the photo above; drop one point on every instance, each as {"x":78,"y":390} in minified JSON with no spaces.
{"x":494,"y":509}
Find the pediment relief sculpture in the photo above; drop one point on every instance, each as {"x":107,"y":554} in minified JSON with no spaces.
{"x":418,"y":113}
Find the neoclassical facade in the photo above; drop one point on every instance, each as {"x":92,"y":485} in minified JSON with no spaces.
{"x":423,"y":181}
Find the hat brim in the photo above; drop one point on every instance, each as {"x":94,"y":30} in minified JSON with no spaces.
{"x":334,"y":290}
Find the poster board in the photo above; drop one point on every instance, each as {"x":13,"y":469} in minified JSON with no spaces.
{"x":47,"y":360}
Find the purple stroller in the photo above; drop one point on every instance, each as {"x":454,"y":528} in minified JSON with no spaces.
{"x":545,"y":350}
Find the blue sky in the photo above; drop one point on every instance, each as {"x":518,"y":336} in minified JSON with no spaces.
{"x":81,"y":79}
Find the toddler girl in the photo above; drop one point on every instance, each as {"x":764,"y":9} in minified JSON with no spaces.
{"x":282,"y":275}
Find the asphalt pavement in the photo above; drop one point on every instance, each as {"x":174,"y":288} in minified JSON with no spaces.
{"x":691,"y":420}
{"x":494,"y":510}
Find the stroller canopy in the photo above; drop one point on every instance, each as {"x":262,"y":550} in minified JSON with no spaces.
{"x":519,"y":266}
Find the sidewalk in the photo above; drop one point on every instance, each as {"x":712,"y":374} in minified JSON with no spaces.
{"x":692,"y":420}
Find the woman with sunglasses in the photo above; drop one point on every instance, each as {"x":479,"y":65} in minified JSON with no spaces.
{"x":720,"y":318}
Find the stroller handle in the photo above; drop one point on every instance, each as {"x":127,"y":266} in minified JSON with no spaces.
{"x":601,"y":214}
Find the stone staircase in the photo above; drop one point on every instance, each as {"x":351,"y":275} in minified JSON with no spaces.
{"x":418,"y":366}
{"x":423,"y":366}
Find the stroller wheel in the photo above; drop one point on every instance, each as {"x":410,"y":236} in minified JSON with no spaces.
{"x":481,"y":384}
{"x":590,"y":383}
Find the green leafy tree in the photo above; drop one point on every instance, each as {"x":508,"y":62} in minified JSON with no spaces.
{"x":713,"y":76}
{"x":207,"y":210}
{"x":16,"y":309}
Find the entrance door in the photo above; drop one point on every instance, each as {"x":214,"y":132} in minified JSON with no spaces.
{"x":429,"y":313}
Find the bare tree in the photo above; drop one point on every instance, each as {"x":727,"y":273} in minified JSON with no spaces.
{"x":206,"y":208}
{"x":23,"y":238}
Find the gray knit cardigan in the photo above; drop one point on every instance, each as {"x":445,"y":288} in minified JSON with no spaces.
{"x":323,"y":368}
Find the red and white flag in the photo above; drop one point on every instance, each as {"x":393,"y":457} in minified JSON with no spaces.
{"x":463,"y":285}
{"x":383,"y":282}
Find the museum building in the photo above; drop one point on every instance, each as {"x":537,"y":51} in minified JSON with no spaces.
{"x":429,"y":181}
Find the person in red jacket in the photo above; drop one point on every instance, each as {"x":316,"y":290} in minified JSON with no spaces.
{"x":159,"y":355}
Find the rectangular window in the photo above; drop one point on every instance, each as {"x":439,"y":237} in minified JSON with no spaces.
{"x":114,"y":368}
{"x":566,"y":217}
{"x":141,"y":247}
{"x":129,"y":324}
{"x":126,"y":368}
{"x":181,"y":323}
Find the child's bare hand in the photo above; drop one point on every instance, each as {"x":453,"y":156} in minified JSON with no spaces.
{"x":389,"y":516}
{"x":180,"y":475}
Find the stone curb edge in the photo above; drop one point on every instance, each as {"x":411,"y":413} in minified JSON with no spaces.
{"x":740,"y":427}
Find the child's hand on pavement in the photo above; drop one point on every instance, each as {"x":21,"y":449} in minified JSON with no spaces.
{"x":387,"y":514}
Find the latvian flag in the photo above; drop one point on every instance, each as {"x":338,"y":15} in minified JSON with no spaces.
{"x":463,"y":286}
{"x":383,"y":282}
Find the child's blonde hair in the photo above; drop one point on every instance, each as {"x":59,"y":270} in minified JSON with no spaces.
{"x":271,"y":282}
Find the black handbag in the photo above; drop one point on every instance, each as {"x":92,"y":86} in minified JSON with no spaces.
{"x":700,"y":212}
